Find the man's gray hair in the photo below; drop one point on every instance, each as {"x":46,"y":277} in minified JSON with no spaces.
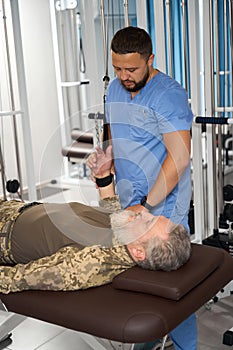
{"x":161,"y":253}
{"x":167,"y":254}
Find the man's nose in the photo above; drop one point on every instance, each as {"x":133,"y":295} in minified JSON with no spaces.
{"x":124,"y":75}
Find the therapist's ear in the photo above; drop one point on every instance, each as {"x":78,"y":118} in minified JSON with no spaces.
{"x":137,"y":252}
{"x":151,"y":59}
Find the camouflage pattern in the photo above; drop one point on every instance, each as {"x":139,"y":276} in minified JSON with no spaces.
{"x":110,"y":203}
{"x":68,"y":269}
{"x":9,"y":211}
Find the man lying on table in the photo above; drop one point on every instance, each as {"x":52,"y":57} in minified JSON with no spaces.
{"x":71,"y":246}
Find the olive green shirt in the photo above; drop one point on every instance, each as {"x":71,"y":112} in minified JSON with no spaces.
{"x":68,"y":269}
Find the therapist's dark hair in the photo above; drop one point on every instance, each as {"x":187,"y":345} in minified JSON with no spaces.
{"x":131,"y":40}
{"x":167,"y":254}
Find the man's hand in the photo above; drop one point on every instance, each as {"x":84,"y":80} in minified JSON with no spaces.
{"x":100,"y":163}
{"x":137,"y":208}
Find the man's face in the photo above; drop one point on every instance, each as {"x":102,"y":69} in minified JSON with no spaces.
{"x":132,"y":70}
{"x":141,"y":228}
{"x":134,"y":228}
{"x":154,"y":226}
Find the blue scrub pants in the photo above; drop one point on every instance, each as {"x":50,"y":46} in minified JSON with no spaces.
{"x":184,"y":336}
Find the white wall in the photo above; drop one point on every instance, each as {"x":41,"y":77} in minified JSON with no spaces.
{"x":41,"y":92}
{"x":41,"y":87}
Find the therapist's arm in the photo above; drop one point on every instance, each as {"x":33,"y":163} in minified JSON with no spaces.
{"x":178,"y":156}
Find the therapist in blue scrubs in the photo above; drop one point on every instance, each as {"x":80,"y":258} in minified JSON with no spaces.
{"x":149,"y":127}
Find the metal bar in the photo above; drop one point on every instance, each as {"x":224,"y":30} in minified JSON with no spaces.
{"x":74,"y":83}
{"x":226,"y":49}
{"x":126,"y":13}
{"x":216,"y":29}
{"x":213,"y":120}
{"x":168,"y":25}
{"x":2,"y":172}
{"x":219,"y":188}
{"x":141,"y":13}
{"x":24,"y":102}
{"x":9,"y":113}
{"x":12,"y":100}
{"x":224,"y":109}
{"x":103,"y":32}
{"x":58,"y":80}
{"x":197,"y":156}
{"x":106,"y":77}
{"x":209,"y":108}
{"x":184,"y":28}
{"x":160,"y":35}
{"x":230,"y":2}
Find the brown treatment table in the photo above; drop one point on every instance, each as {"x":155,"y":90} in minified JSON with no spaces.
{"x":139,"y":305}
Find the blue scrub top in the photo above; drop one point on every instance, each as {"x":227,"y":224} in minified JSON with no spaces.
{"x":137,"y":126}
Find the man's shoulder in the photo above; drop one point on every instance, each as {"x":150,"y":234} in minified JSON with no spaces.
{"x":115,"y":91}
{"x":167,"y":82}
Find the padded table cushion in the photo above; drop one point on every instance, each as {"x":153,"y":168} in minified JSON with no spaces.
{"x":81,"y":135}
{"x":174,"y":284}
{"x":124,"y":315}
{"x":77,"y":150}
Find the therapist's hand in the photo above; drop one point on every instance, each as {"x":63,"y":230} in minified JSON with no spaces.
{"x":137,"y":208}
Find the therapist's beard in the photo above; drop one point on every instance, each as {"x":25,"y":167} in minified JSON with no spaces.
{"x":139,"y":85}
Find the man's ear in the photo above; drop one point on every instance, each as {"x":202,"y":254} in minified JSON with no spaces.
{"x":151,"y":59}
{"x":137,"y":252}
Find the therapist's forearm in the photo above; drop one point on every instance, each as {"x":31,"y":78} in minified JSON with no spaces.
{"x":167,"y":179}
{"x":178,"y":156}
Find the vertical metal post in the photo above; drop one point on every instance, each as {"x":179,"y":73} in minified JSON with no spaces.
{"x":87,"y":8}
{"x":106,"y":77}
{"x":209,"y":110}
{"x":169,"y":39}
{"x":23,"y":101}
{"x":12,"y":99}
{"x":219,"y":127}
{"x":184,"y":29}
{"x":61,"y":106}
{"x":197,"y":158}
{"x":2,"y":173}
{"x":230,"y":2}
{"x":126,"y":13}
{"x":160,"y":35}
{"x":104,"y":33}
{"x":141,"y":13}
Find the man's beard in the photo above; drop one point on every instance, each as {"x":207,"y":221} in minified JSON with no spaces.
{"x":122,"y":226}
{"x":137,"y":86}
{"x":126,"y":228}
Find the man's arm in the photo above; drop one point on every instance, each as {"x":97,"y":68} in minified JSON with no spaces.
{"x":178,"y":156}
{"x":101,"y":166}
{"x":67,"y":269}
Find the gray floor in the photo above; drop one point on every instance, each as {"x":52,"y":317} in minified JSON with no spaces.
{"x":36,"y":335}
